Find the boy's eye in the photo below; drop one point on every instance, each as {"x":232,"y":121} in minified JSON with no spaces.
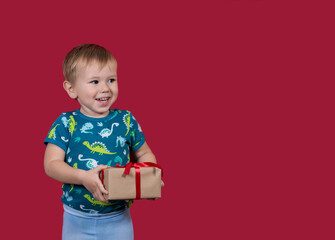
{"x":95,"y":82}
{"x":111,"y":80}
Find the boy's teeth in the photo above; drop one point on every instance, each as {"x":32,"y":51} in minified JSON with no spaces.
{"x":102,"y":99}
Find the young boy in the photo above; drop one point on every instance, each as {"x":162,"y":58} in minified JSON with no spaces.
{"x":81,"y":143}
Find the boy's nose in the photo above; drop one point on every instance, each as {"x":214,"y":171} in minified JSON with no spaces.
{"x":104,"y":87}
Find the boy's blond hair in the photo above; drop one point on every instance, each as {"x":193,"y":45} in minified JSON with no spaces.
{"x":84,"y":54}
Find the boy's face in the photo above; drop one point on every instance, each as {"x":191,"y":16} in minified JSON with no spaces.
{"x":94,"y":88}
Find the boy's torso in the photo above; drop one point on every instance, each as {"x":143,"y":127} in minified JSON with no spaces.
{"x":91,"y":142}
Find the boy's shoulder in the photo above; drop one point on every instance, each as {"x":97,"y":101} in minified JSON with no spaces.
{"x":124,"y":114}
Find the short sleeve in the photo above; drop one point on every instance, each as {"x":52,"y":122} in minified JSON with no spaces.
{"x":137,"y":137}
{"x":59,"y":133}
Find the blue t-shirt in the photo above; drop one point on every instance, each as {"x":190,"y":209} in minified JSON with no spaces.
{"x":89,"y":142}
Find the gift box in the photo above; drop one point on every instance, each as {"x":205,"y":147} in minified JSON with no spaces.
{"x":133,"y":181}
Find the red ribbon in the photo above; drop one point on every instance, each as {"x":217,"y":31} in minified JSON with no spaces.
{"x":137,"y":167}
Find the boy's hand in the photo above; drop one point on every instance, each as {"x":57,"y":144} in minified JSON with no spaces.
{"x":92,"y":183}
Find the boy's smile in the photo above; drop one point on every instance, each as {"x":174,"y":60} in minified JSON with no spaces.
{"x":95,"y":88}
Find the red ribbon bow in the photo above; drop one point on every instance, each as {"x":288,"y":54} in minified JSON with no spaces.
{"x":137,"y":167}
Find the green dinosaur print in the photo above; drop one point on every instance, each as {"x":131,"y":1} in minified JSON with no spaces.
{"x":114,"y":115}
{"x":132,"y":134}
{"x":74,"y":166}
{"x":52,"y":133}
{"x":109,"y":164}
{"x":130,"y":203}
{"x":98,"y":147}
{"x":136,"y":144}
{"x":78,"y":191}
{"x":126,"y":120}
{"x":72,"y":125}
{"x":117,"y":159}
{"x":95,"y":202}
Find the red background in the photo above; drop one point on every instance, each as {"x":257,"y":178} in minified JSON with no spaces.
{"x":236,"y":99}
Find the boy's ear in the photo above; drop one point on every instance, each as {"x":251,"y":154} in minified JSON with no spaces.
{"x":69,"y":89}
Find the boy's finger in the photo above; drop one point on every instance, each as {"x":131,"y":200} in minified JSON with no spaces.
{"x":100,"y":167}
{"x":98,"y":196}
{"x":102,"y":199}
{"x":102,"y":188}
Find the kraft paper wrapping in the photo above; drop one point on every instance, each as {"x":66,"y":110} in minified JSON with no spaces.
{"x":121,"y":186}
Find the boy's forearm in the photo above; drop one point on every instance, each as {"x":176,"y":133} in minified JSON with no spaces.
{"x":64,"y":173}
{"x":147,"y":157}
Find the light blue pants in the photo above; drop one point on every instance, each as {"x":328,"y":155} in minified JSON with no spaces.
{"x":86,"y":226}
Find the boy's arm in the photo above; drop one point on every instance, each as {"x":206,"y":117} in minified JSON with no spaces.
{"x":56,"y":168}
{"x":144,"y":154}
